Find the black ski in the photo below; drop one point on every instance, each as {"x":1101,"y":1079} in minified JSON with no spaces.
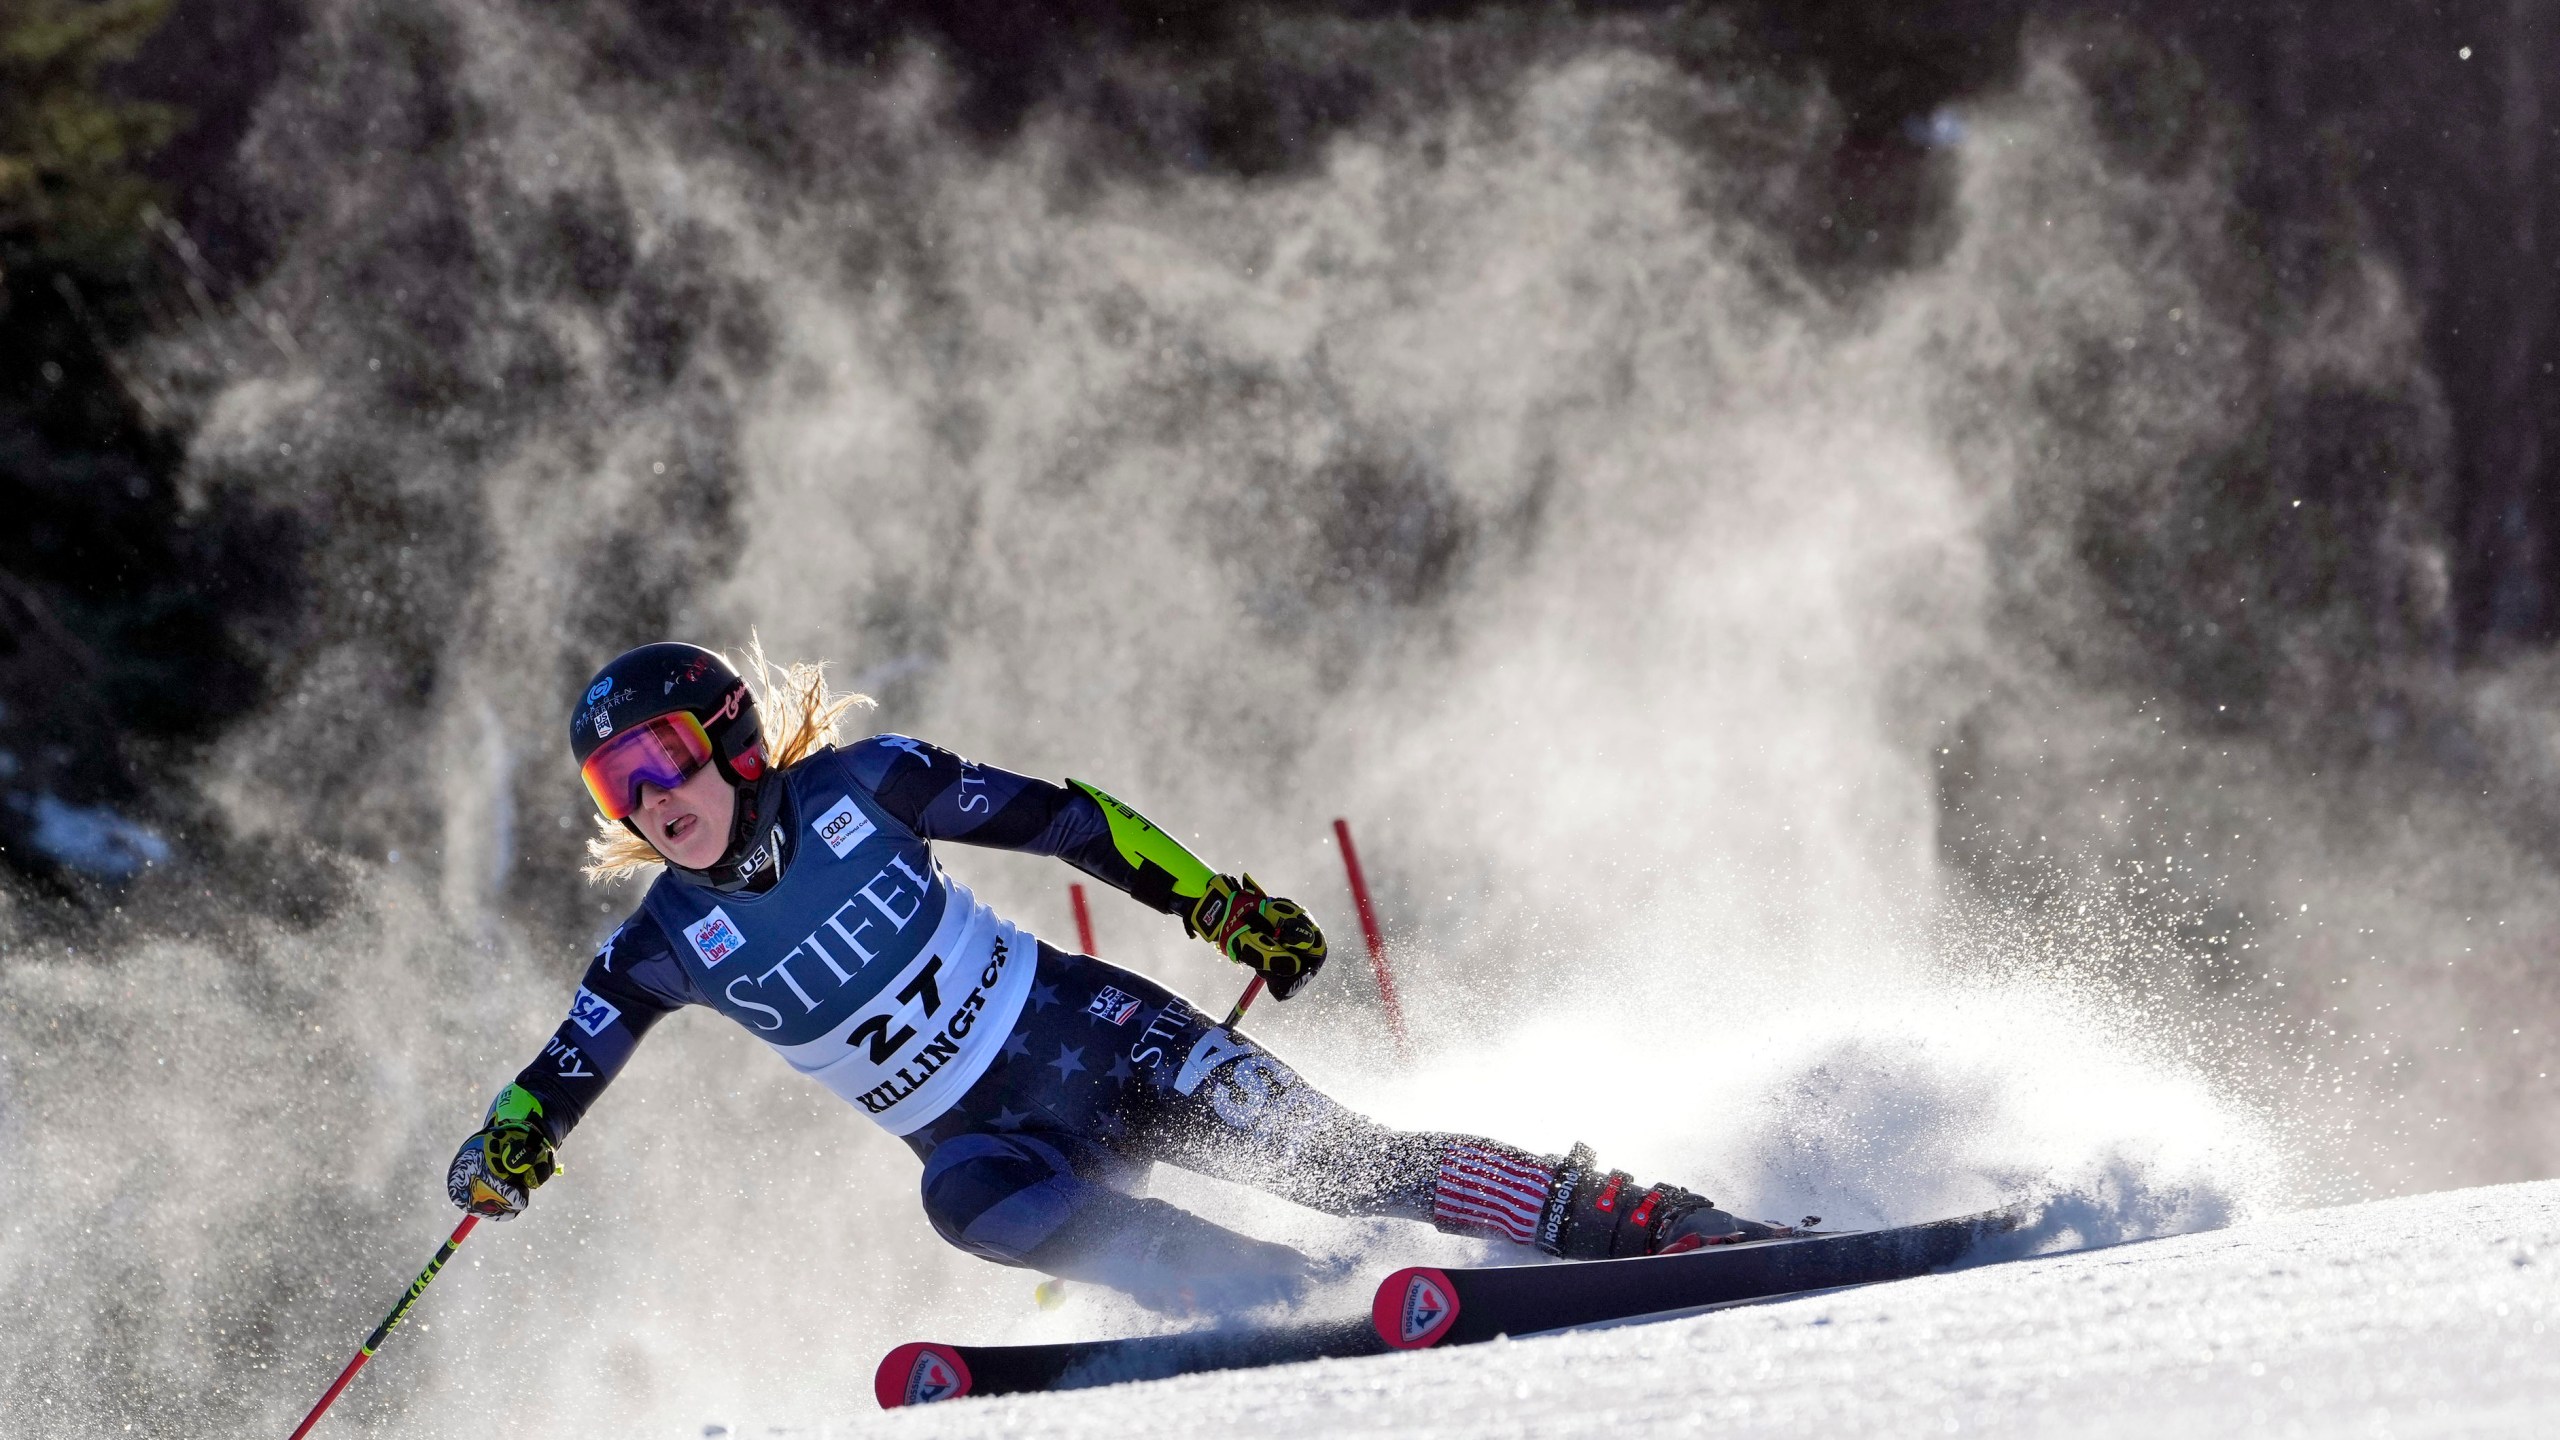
{"x":1424,"y":1306}
{"x":921,"y":1372}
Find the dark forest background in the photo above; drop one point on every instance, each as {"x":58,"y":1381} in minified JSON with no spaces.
{"x":137,"y":621}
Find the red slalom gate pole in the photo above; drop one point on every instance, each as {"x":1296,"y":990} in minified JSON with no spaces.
{"x":382,"y":1331}
{"x":1084,"y":918}
{"x":1377,"y":943}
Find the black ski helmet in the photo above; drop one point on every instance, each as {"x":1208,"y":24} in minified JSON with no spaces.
{"x":662,"y":679}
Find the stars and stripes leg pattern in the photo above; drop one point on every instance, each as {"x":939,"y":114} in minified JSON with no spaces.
{"x":1487,"y":1188}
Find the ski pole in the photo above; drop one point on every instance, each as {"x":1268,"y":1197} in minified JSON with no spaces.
{"x":382,"y":1331}
{"x":1244,"y":1000}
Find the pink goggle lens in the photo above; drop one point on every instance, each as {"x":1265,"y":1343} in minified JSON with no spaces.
{"x":664,"y":752}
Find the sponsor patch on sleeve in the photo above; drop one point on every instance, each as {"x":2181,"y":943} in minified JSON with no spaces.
{"x":715,"y":937}
{"x":843,"y":827}
{"x":592,"y":1012}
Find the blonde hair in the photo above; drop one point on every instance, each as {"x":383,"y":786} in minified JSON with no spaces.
{"x":799,"y":715}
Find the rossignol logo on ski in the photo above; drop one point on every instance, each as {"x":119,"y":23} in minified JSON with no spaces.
{"x":933,"y":1378}
{"x":715,"y":937}
{"x":919,"y":1374}
{"x":1415,"y":1308}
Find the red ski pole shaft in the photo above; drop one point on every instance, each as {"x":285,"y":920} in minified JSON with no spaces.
{"x":1377,"y":942}
{"x":1243,"y":1000}
{"x":382,"y":1331}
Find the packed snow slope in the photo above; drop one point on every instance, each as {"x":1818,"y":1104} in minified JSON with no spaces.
{"x":2428,"y":1315}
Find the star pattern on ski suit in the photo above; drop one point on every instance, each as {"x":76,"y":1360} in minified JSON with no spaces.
{"x":1043,"y":996}
{"x":1009,"y":1118}
{"x":1070,"y":1061}
{"x":1017,"y":1046}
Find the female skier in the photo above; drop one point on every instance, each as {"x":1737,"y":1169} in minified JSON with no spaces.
{"x":801,"y":898}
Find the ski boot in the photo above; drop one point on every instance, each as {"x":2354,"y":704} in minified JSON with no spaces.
{"x":1592,"y":1214}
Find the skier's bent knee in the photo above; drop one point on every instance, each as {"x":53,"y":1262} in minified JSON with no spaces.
{"x":1015,"y":1200}
{"x":1170,"y":1260}
{"x":1000,"y":1197}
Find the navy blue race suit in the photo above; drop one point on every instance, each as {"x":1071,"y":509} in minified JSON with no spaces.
{"x":1037,"y":1086}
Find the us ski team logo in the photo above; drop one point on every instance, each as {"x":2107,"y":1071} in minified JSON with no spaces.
{"x":1415,"y":1308}
{"x":714,"y":937}
{"x":1113,"y":1004}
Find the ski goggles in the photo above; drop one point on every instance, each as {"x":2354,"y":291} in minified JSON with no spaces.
{"x":664,"y":751}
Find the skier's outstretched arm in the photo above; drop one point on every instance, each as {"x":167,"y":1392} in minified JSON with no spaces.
{"x":632,"y":983}
{"x":942,"y":796}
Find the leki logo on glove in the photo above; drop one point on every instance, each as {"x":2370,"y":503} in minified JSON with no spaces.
{"x":843,"y":827}
{"x":715,"y":938}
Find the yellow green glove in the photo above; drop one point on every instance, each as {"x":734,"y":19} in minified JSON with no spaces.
{"x":1276,"y":938}
{"x":497,"y":1170}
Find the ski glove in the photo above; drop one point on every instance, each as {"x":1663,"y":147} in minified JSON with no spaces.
{"x":1272,"y":936}
{"x":496,"y":1171}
